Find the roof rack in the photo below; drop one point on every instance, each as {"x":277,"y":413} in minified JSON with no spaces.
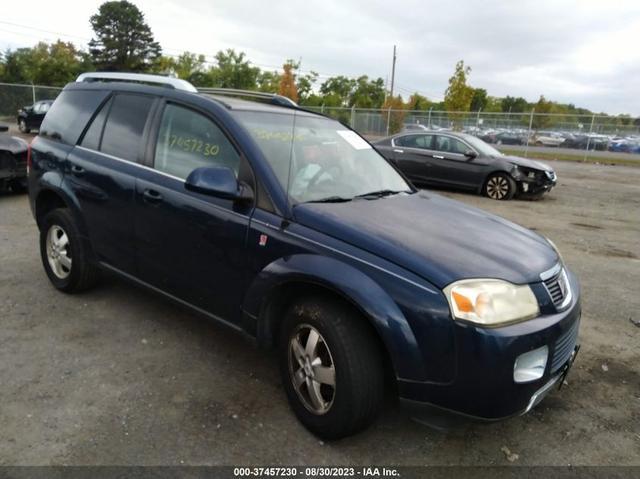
{"x":272,"y":97}
{"x":170,"y":82}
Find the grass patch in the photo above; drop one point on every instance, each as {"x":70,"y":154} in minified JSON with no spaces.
{"x":579,"y":158}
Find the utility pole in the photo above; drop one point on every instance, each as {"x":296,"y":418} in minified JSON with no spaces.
{"x":393,"y":70}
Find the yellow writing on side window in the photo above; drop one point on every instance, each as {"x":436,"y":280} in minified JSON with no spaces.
{"x":193,"y":145}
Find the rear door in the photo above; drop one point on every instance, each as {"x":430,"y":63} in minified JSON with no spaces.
{"x":102,"y":170}
{"x":192,"y":245}
{"x":414,"y":156}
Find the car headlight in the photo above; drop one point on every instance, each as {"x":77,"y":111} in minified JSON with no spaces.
{"x":491,"y":302}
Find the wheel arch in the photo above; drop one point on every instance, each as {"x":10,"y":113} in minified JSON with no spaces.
{"x":50,"y":198}
{"x":282,"y":281}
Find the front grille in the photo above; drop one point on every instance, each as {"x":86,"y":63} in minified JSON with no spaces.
{"x":564,"y":347}
{"x":558,"y":288}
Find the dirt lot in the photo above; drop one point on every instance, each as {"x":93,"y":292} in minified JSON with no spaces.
{"x":119,"y":376}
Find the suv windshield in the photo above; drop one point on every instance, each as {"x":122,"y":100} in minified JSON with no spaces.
{"x":482,"y":147}
{"x":318,"y":159}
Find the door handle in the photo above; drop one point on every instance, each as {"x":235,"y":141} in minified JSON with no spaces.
{"x":77,"y":170}
{"x":152,"y":196}
{"x":398,"y":151}
{"x":438,"y":157}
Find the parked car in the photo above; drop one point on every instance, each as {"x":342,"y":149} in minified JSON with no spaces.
{"x":463,"y":161}
{"x":414,"y":127}
{"x":13,"y":161}
{"x":290,"y":227}
{"x":509,"y":138}
{"x":590,"y":142}
{"x":30,"y":117}
{"x":547,"y":139}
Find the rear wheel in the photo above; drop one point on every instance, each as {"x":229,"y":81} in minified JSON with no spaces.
{"x":22,"y":126}
{"x":331,"y":368}
{"x":500,"y":186}
{"x":64,"y":253}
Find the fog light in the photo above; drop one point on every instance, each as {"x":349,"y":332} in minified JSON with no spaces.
{"x":530,"y":366}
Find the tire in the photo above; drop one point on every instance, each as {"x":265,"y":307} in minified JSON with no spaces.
{"x":19,"y":185}
{"x":345,"y":343}
{"x":59,"y":239}
{"x":22,"y":126}
{"x":499,"y":186}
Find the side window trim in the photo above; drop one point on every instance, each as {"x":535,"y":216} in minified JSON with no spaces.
{"x":106,"y":103}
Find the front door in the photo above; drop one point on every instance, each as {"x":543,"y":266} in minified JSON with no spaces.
{"x":452,"y":167}
{"x":191,"y":245}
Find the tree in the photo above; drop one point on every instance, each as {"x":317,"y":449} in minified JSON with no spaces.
{"x":367,"y":93}
{"x":542,"y":108}
{"x":305,"y":87}
{"x":124,"y":41}
{"x":457,"y":97}
{"x":510,"y":104}
{"x":417,"y":102}
{"x":287,"y":86}
{"x":397,"y":114}
{"x":187,"y":66}
{"x":337,"y":90}
{"x":233,"y":71}
{"x":479,"y":99}
{"x":268,"y":81}
{"x":45,"y":64}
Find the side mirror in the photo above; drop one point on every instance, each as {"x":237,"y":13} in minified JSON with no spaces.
{"x":220,"y":182}
{"x":470,"y":154}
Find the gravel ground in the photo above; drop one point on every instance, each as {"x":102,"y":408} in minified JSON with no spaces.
{"x":120,"y":376}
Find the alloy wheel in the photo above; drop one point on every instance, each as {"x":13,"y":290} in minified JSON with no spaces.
{"x":58,"y":251}
{"x":497,"y":187}
{"x":311,"y":369}
{"x":22,"y":126}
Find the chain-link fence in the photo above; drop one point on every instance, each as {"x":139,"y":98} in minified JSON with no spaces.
{"x":575,"y":131}
{"x":14,"y":96}
{"x":528,"y":130}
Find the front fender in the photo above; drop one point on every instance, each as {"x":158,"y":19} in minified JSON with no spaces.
{"x":353,"y":285}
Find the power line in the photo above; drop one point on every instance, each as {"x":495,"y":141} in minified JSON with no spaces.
{"x":213,"y":61}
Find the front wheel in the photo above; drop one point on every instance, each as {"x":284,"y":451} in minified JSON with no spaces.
{"x":331,"y":367}
{"x":500,"y":186}
{"x":64,"y":253}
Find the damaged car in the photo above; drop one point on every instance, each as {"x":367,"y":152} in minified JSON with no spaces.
{"x":459,"y":160}
{"x":13,"y":162}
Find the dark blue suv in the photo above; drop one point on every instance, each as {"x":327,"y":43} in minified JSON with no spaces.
{"x":286,"y":225}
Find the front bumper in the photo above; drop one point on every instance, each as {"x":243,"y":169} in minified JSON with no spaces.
{"x":541,"y":182}
{"x":484,"y":385}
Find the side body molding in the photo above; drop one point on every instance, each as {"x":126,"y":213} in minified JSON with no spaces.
{"x":350,"y":283}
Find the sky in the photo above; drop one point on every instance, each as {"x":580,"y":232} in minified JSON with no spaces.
{"x":582,"y":52}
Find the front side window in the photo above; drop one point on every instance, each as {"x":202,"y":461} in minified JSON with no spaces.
{"x":188,"y":140}
{"x":317,"y":159}
{"x":448,"y":144}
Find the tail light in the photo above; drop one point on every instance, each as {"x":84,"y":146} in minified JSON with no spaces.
{"x":28,"y":158}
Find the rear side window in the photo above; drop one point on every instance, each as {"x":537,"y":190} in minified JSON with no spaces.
{"x":70,"y":113}
{"x":188,"y":140}
{"x":94,"y":134}
{"x":122,"y":136}
{"x":415,"y":141}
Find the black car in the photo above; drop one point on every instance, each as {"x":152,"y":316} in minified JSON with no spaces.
{"x":463,"y":161}
{"x":509,"y":138}
{"x":289,"y":227}
{"x":30,"y":117}
{"x":13,"y":161}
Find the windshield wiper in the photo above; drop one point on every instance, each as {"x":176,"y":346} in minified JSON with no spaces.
{"x":381,"y":193}
{"x":330,"y":199}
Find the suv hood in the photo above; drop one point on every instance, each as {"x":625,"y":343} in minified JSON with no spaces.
{"x":516,"y":160}
{"x":439,"y":239}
